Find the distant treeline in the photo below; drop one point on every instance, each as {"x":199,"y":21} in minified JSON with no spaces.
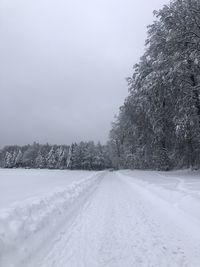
{"x":82,"y":156}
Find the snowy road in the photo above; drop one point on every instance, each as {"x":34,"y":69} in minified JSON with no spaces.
{"x":114,"y":219}
{"x":124,"y":223}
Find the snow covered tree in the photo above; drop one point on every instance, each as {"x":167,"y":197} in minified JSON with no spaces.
{"x":98,"y":158}
{"x":159,"y":123}
{"x":51,"y":159}
{"x":71,"y":159}
{"x":8,"y":160}
{"x":18,"y":159}
{"x":40,"y":161}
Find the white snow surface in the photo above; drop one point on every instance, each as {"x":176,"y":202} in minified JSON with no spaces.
{"x":19,"y":184}
{"x":115,"y":219}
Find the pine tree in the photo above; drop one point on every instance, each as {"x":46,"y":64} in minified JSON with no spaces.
{"x":51,"y":159}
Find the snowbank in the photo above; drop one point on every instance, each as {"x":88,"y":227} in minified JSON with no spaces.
{"x":181,"y":189}
{"x":26,"y":226}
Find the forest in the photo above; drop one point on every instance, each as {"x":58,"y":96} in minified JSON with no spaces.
{"x":158,"y":127}
{"x":82,"y":156}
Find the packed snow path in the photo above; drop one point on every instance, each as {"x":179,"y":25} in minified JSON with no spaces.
{"x":124,"y":224}
{"x":113,"y":219}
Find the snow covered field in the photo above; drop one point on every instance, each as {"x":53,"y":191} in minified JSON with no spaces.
{"x":20,"y":184}
{"x":90,"y":219}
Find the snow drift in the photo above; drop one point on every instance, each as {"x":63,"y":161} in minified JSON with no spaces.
{"x":26,"y":226}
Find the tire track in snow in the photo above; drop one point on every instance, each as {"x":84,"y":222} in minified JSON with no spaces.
{"x":120,"y":227}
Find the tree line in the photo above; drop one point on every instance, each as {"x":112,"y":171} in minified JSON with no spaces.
{"x":158,"y":126}
{"x":83,"y":156}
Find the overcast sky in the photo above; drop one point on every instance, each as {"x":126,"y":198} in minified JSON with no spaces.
{"x":63,"y":65}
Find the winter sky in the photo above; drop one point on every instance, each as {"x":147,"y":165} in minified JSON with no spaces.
{"x":63,"y":65}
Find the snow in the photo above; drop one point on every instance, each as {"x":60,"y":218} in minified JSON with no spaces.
{"x":19,"y":184}
{"x":26,"y":225}
{"x":179,"y":188}
{"x":115,"y":219}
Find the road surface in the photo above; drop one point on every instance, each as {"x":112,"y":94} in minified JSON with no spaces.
{"x":122,"y":224}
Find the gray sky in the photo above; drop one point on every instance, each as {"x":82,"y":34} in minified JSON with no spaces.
{"x":63,"y":65}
